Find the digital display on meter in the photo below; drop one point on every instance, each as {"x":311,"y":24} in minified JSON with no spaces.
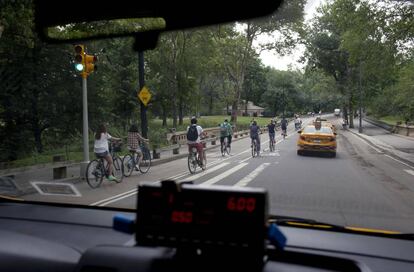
{"x":201,"y":216}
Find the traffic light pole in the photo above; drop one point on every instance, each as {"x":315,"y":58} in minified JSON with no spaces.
{"x":144,"y":122}
{"x":85,"y":130}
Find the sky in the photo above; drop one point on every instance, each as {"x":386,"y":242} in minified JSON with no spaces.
{"x":282,"y":63}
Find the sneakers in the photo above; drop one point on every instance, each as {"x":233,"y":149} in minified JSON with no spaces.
{"x":112,"y":178}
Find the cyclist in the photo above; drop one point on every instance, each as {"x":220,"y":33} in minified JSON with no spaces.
{"x":225,"y":131}
{"x":298,"y":122}
{"x":254,"y":134}
{"x":101,"y":148}
{"x":283,"y":126}
{"x":194,"y":133}
{"x":271,"y":129}
{"x":134,"y":137}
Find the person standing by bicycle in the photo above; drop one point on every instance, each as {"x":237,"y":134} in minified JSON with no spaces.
{"x":101,"y":148}
{"x":225,"y":132}
{"x":283,"y":126}
{"x":194,"y":134}
{"x":271,"y":129}
{"x":133,"y":141}
{"x":254,"y":134}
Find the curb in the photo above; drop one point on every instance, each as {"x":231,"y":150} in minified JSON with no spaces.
{"x":385,"y":151}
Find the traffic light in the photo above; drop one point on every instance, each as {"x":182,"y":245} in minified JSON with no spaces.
{"x":79,"y":57}
{"x":90,"y":63}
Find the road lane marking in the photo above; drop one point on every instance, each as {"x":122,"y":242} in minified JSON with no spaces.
{"x":399,"y":161}
{"x":117,"y":199}
{"x":365,"y":141}
{"x":244,"y":160}
{"x":112,"y":197}
{"x":244,"y":181}
{"x":225,"y":174}
{"x":208,"y":171}
{"x":409,"y":171}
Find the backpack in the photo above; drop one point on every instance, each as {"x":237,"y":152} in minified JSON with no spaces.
{"x":192,"y":133}
{"x":223,"y":129}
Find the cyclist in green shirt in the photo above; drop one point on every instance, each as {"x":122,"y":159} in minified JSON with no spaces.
{"x":226,"y":132}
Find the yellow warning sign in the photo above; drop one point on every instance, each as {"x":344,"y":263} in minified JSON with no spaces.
{"x":144,"y":95}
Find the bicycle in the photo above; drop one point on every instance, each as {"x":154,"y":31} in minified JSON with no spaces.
{"x":194,"y":160}
{"x":255,"y":148}
{"x":225,"y":147}
{"x":98,"y":168}
{"x":272,"y":143}
{"x":130,"y":162}
{"x":284,"y":134}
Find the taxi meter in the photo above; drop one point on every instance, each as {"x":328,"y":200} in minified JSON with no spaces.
{"x":185,"y":215}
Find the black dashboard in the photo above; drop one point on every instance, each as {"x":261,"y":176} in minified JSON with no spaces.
{"x":37,"y":237}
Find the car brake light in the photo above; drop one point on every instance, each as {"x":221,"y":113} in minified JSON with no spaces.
{"x":303,"y":138}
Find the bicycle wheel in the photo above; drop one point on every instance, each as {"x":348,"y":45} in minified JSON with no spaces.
{"x":117,"y":169}
{"x":192,"y":162}
{"x":223,"y":147}
{"x":254,"y":148}
{"x":128,"y":165}
{"x":204,"y":160}
{"x":94,"y":173}
{"x":145,"y":162}
{"x":228,"y":147}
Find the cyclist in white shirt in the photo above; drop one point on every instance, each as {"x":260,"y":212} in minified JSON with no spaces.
{"x":101,"y":148}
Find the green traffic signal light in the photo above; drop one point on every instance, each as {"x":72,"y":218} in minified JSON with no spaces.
{"x":79,"y":67}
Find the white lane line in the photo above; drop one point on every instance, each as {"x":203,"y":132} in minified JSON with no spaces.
{"x":112,"y":197}
{"x":223,"y":175}
{"x":246,"y":159}
{"x":209,"y":170}
{"x":244,"y":181}
{"x":409,"y":171}
{"x":373,"y":147}
{"x":399,"y":161}
{"x":117,"y":199}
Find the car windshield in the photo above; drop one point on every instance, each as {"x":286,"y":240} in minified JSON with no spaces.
{"x":312,"y":129}
{"x":84,"y":123}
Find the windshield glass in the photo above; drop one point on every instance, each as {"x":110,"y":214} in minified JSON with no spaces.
{"x":312,"y":129}
{"x":85,"y":123}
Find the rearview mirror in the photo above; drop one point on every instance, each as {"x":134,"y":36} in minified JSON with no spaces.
{"x":67,"y":20}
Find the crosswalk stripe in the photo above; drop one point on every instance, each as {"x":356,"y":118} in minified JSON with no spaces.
{"x":409,"y":171}
{"x":225,"y":174}
{"x":209,"y":170}
{"x":244,"y":181}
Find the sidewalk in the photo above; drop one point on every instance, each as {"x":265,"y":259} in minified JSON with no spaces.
{"x":394,"y":145}
{"x":18,"y":183}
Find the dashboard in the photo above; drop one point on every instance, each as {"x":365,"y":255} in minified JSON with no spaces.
{"x":38,"y":237}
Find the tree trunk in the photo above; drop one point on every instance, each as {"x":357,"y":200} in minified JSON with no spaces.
{"x":180,"y":110}
{"x":164,"y":115}
{"x":234,"y":109}
{"x":351,"y":112}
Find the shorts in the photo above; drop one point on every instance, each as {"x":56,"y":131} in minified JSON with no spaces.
{"x":199,"y":147}
{"x":137,"y":150}
{"x":102,"y":154}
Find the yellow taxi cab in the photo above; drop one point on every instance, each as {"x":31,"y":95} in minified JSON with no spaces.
{"x":318,"y":138}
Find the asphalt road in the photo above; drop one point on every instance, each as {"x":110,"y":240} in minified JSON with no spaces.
{"x":361,"y":187}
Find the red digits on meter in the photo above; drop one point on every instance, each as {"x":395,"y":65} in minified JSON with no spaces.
{"x":181,"y":217}
{"x":241,"y":204}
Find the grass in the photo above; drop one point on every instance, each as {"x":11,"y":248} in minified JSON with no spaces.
{"x":391,"y":120}
{"x":214,"y":121}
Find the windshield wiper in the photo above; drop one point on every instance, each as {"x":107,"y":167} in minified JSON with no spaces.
{"x":310,"y":223}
